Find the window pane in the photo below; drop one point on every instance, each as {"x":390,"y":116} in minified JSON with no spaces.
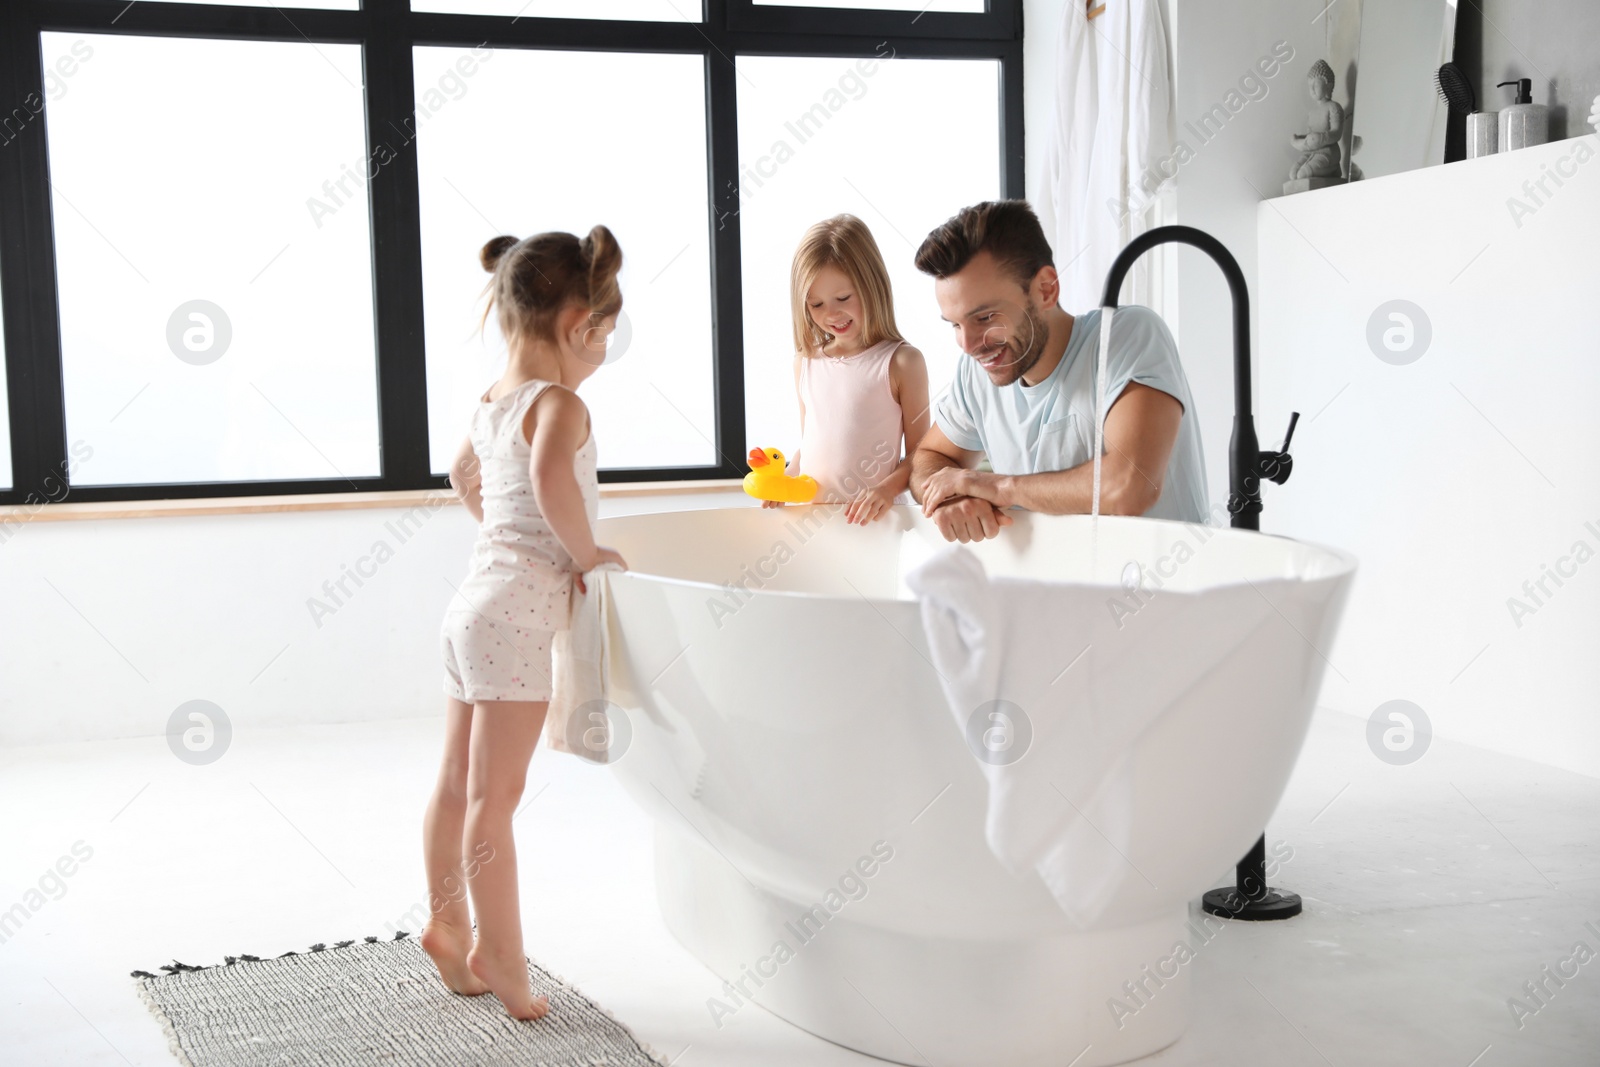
{"x":882,"y":5}
{"x":634,"y":161}
{"x":901,"y":143}
{"x":5,"y":419}
{"x":326,"y":5}
{"x":213,"y":257}
{"x":634,"y":10}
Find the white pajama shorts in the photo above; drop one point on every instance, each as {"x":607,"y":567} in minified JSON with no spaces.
{"x":486,"y":661}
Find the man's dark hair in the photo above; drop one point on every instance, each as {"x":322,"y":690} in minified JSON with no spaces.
{"x":1006,"y":229}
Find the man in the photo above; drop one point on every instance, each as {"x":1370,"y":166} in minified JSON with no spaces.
{"x":1026,"y":397}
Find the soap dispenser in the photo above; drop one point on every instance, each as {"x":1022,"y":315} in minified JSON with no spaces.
{"x":1524,"y":123}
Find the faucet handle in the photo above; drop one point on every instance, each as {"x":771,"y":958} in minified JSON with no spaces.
{"x":1294,"y":417}
{"x":1276,"y":466}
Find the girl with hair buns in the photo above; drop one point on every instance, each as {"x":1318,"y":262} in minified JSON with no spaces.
{"x":526,"y":473}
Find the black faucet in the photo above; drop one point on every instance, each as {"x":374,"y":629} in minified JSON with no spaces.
{"x":1251,"y":897}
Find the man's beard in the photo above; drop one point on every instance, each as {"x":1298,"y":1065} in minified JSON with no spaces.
{"x":1024,"y":357}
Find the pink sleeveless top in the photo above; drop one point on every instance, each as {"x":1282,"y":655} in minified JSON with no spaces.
{"x":853,"y":428}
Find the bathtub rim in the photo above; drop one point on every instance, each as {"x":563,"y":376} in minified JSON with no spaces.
{"x":1345,"y":562}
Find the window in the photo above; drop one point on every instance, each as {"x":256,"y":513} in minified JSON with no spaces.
{"x":5,"y":418}
{"x":326,"y":5}
{"x":902,"y":144}
{"x":885,"y":5}
{"x":479,"y":177}
{"x":649,"y":10}
{"x":212,"y":254}
{"x":242,"y":239}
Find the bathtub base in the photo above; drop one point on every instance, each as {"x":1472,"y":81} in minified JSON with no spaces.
{"x":1049,"y":1001}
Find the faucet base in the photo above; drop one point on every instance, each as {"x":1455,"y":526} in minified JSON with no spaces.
{"x":1231,"y":904}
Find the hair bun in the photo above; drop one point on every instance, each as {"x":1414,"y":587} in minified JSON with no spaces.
{"x":493,"y":251}
{"x":604,"y":255}
{"x":535,"y":280}
{"x":601,"y":250}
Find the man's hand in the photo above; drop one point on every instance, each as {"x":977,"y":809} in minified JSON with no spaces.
{"x":968,"y":518}
{"x":950,"y":482}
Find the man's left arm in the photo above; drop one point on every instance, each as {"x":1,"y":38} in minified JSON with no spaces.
{"x":1141,"y":430}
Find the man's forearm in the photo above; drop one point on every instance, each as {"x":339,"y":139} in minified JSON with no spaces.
{"x":924,"y":462}
{"x":1071,"y":492}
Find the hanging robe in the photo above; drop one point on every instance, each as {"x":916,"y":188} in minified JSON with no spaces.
{"x":1109,"y":146}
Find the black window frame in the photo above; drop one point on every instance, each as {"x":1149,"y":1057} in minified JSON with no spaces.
{"x":387,"y":31}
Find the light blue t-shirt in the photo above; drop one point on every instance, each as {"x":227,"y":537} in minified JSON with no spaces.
{"x":1028,"y":429}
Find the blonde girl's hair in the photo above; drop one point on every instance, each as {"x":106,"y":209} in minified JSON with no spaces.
{"x":532,"y":281}
{"x":843,"y":242}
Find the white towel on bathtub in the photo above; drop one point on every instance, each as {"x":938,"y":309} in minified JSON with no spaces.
{"x":581,"y":667}
{"x":1088,"y":687}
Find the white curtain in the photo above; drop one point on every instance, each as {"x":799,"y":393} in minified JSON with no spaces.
{"x":1108,"y":151}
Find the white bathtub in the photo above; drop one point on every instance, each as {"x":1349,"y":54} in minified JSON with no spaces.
{"x":792,"y":740}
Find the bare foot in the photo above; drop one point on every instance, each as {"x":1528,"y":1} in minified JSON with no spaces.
{"x":507,"y":978}
{"x":449,"y":945}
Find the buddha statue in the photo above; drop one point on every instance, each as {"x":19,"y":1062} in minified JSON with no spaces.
{"x":1319,"y":145}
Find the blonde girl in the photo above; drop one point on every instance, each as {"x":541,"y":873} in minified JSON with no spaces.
{"x":526,"y":473}
{"x":863,"y":390}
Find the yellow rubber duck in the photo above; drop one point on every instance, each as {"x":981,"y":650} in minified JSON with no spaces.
{"x":767,"y":480}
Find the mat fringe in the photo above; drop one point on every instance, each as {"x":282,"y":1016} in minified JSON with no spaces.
{"x":174,"y":1046}
{"x":176,"y":968}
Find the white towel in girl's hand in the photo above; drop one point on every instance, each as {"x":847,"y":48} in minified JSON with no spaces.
{"x":577,"y":720}
{"x":1053,"y":690}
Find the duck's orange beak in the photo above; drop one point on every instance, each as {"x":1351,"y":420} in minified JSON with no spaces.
{"x":758,"y":458}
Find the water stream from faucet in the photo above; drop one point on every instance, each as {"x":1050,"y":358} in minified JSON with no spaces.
{"x":1100,"y":405}
{"x":1101,"y":359}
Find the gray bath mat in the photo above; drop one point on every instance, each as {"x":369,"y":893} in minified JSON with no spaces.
{"x":371,"y":1002}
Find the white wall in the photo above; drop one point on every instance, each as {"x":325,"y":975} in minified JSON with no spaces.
{"x":1218,"y":191}
{"x":1460,"y":476}
{"x":109,"y":625}
{"x":1448,"y":520}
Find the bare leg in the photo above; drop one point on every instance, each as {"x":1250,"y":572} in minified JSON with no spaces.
{"x":447,"y":937}
{"x":504,"y":734}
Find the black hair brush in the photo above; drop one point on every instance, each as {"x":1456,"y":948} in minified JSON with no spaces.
{"x":1455,"y":89}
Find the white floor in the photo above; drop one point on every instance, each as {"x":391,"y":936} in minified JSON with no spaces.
{"x":1433,"y":893}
